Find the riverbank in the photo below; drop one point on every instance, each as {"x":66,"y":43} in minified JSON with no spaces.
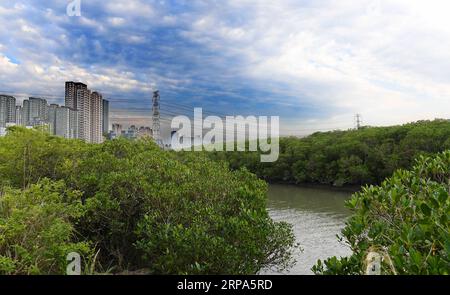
{"x":346,"y":188}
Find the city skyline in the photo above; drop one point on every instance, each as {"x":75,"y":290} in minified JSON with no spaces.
{"x":82,"y":116}
{"x":313,"y":63}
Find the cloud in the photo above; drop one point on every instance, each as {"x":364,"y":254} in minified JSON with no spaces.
{"x":386,"y":59}
{"x":307,"y":61}
{"x":116,"y":21}
{"x":130,"y":8}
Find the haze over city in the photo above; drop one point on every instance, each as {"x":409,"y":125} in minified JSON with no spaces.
{"x":313,"y":63}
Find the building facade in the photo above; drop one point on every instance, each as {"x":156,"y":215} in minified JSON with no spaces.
{"x":62,"y":118}
{"x":84,"y":113}
{"x":105,"y":117}
{"x":52,"y":118}
{"x":117,"y":129}
{"x":38,"y":111}
{"x":26,"y":112}
{"x":73,"y":124}
{"x":71,"y":97}
{"x":7,"y":110}
{"x":19,"y":116}
{"x":89,"y":113}
{"x":145,"y":132}
{"x":96,"y":117}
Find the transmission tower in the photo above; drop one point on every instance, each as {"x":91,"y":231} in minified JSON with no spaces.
{"x":156,"y":125}
{"x":358,"y":121}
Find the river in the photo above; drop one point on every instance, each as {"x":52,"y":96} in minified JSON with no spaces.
{"x":317,"y":214}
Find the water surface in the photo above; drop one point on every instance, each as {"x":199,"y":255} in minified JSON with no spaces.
{"x":317,"y":214}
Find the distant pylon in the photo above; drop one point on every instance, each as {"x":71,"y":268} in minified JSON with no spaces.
{"x":358,"y":121}
{"x":156,"y":125}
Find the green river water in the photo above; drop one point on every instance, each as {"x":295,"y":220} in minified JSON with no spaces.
{"x":317,"y":214}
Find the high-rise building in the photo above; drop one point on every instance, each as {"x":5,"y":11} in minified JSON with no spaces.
{"x":84,"y":114}
{"x":38,"y":111}
{"x":11,"y":109}
{"x":145,"y":132}
{"x":73,"y":123}
{"x":88,"y":113}
{"x":96,"y":117}
{"x":117,"y":129}
{"x":52,"y":118}
{"x":105,"y":116}
{"x":19,"y":116}
{"x":26,"y":112}
{"x":3,"y":111}
{"x":7,"y":110}
{"x":71,"y":97}
{"x":62,"y":119}
{"x":131,"y":133}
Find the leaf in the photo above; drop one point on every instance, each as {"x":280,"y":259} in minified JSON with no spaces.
{"x":426,"y":210}
{"x":443,"y":196}
{"x":434,"y":203}
{"x":447,"y":247}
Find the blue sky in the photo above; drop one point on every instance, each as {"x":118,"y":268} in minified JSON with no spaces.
{"x":313,"y":63}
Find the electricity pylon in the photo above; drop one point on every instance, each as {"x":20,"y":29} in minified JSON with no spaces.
{"x":156,"y":125}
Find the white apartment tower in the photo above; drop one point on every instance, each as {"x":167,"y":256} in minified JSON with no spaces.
{"x":96,"y":117}
{"x":26,"y":112}
{"x":19,"y":116}
{"x":73,"y":124}
{"x":62,"y":122}
{"x":85,"y":113}
{"x":38,"y":111}
{"x":7,"y":110}
{"x":83,"y":99}
{"x":52,"y":118}
{"x":71,"y":98}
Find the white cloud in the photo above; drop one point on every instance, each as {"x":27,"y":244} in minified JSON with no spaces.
{"x":130,"y":8}
{"x":386,"y":59}
{"x":117,"y":21}
{"x":389,"y":60}
{"x":6,"y":65}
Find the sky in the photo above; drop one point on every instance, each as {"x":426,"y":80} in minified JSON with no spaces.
{"x":314,"y":63}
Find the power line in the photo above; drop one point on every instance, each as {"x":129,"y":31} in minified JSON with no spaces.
{"x":177,"y":109}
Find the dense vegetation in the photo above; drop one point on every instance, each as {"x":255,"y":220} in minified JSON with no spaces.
{"x":128,"y":206}
{"x":406,"y":220}
{"x":354,"y":157}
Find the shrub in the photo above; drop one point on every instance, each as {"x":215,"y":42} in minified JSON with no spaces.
{"x":36,"y":229}
{"x":143,"y":208}
{"x":407,"y":218}
{"x":177,"y":213}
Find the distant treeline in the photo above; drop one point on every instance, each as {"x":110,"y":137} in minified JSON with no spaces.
{"x":354,"y":157}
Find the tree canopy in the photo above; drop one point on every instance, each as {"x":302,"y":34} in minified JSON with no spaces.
{"x":353,"y":157}
{"x":127,"y":206}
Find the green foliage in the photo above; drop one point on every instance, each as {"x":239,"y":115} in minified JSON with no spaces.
{"x":354,"y":157}
{"x":142,"y":208}
{"x":29,"y":155}
{"x":406,"y":218}
{"x":36,"y":229}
